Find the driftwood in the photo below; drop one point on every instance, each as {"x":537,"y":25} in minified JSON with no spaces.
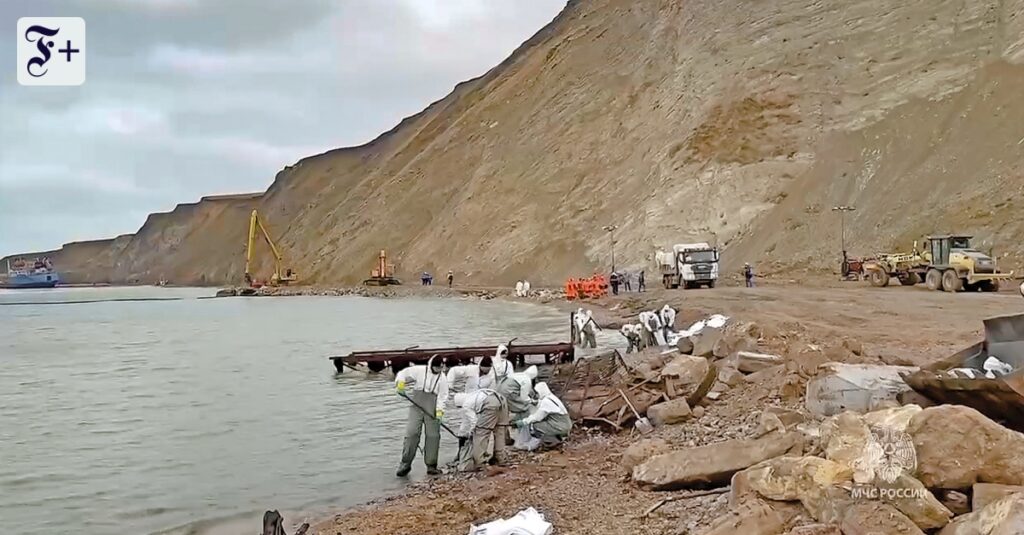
{"x":273,"y":524}
{"x":687,"y":496}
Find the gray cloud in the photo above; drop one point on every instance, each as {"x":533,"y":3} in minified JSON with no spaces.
{"x":185,"y":98}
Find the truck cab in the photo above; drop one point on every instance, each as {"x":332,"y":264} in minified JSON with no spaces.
{"x":689,"y":265}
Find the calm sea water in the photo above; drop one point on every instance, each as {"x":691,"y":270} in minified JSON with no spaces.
{"x":196,"y":415}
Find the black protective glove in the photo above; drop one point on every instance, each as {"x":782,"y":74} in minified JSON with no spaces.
{"x":462,"y":441}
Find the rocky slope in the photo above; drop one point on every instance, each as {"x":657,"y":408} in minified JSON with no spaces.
{"x":736,"y":121}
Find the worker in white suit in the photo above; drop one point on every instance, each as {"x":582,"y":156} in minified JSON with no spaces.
{"x":464,"y":378}
{"x":668,"y":320}
{"x":480,"y":413}
{"x":509,"y":389}
{"x":585,"y":324}
{"x":632,"y":336}
{"x":426,"y":388}
{"x":550,"y":424}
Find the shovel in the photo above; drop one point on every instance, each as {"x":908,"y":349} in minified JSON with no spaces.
{"x":642,"y":423}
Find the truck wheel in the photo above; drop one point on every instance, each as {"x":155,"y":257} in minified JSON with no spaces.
{"x":711,"y":284}
{"x":989,"y":286}
{"x":879,"y":278}
{"x":951,"y":281}
{"x":933,"y":279}
{"x":910,"y":279}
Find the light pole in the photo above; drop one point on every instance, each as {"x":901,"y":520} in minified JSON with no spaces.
{"x":611,"y":233}
{"x":842,"y":209}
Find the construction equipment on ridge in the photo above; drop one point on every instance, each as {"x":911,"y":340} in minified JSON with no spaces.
{"x":278,"y":278}
{"x":383,"y":274}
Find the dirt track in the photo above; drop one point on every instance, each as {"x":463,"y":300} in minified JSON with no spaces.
{"x":896,"y":324}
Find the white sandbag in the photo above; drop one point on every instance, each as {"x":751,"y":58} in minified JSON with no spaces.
{"x":526,"y":522}
{"x":717,"y":321}
{"x":995,"y":367}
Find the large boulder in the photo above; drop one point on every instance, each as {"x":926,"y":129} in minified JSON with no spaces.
{"x":729,"y":375}
{"x":875,"y":518}
{"x":805,"y":361}
{"x":895,"y":418}
{"x":857,"y":387}
{"x":958,"y":446}
{"x":911,"y":498}
{"x":648,"y":363}
{"x":704,"y":342}
{"x":845,"y":436}
{"x":670,"y":412}
{"x":638,"y":452}
{"x":803,"y":479}
{"x":688,"y":377}
{"x":751,"y":362}
{"x":986,"y":493}
{"x":713,"y":464}
{"x":733,"y":340}
{"x":1002,"y":517}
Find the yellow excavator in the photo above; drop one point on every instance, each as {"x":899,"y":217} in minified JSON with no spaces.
{"x":279,"y":278}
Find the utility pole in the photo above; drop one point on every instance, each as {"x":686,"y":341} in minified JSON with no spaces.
{"x":842,"y":209}
{"x":611,"y":233}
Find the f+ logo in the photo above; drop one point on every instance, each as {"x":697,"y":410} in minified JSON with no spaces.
{"x":39,"y":38}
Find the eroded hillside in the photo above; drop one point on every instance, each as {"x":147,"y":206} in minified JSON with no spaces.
{"x":736,"y":121}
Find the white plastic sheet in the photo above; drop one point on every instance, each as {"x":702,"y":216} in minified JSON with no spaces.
{"x":527,"y":522}
{"x":994,"y":367}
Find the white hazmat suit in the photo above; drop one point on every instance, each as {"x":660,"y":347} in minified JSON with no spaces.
{"x":480,"y":413}
{"x":550,"y":424}
{"x":464,"y":378}
{"x":428,"y":393}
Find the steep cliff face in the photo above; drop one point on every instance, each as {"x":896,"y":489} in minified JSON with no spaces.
{"x":729,"y":120}
{"x":201,"y":243}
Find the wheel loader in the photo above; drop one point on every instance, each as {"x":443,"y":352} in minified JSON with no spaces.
{"x":949,"y":263}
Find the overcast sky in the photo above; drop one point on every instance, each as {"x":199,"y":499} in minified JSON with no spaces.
{"x":185,"y":98}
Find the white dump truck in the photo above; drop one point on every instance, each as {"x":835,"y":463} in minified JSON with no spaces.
{"x":689,"y":265}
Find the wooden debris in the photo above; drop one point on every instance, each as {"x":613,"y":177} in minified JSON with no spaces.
{"x":687,"y":496}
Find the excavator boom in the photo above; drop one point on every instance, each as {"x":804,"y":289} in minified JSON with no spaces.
{"x":256,"y":223}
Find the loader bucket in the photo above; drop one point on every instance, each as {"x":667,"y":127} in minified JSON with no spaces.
{"x":1001,"y":398}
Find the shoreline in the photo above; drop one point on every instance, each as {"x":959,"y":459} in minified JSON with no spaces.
{"x":583,"y":489}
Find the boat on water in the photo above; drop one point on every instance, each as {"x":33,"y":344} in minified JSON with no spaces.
{"x":22,"y":274}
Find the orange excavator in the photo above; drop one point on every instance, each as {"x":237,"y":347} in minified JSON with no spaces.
{"x":279,"y":277}
{"x":383,"y":274}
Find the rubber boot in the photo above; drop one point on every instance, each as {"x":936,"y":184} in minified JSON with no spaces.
{"x":433,"y":471}
{"x":403,"y":470}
